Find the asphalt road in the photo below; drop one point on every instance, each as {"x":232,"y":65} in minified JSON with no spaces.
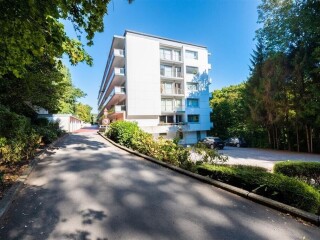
{"x":264,"y":157}
{"x":89,"y":189}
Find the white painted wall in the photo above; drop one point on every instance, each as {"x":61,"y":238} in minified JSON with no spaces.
{"x":143,"y":76}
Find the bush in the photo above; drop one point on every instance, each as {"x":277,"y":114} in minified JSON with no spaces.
{"x":122,"y":132}
{"x":275,"y":186}
{"x":18,"y":140}
{"x":130,"y":135}
{"x":308,"y":172}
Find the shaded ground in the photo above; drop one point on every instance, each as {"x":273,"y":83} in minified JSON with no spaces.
{"x":88,"y":189}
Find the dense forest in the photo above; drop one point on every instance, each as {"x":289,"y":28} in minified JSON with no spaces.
{"x":279,"y":104}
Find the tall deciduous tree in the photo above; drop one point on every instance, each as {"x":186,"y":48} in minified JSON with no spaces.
{"x":32,"y":30}
{"x":83,"y":111}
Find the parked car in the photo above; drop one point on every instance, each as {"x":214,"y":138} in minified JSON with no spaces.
{"x":213,"y":142}
{"x":236,"y":142}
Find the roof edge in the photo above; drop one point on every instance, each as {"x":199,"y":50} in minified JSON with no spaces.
{"x":163,"y":38}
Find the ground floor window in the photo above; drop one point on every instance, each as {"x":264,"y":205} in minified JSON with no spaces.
{"x":166,"y":119}
{"x":193,"y":118}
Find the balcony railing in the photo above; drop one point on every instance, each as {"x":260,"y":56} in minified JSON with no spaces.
{"x":117,"y":109}
{"x":173,"y":108}
{"x":119,"y":90}
{"x":170,"y":57}
{"x":172,"y":91}
{"x":118,"y":52}
{"x":170,"y":74}
{"x":119,"y":71}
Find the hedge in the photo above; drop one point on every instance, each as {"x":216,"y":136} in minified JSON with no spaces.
{"x":130,"y":135}
{"x":271,"y":185}
{"x":19,"y":138}
{"x":308,"y":172}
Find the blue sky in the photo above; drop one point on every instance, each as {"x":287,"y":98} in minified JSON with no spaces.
{"x":226,"y":27}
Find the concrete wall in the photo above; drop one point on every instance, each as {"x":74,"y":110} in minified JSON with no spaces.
{"x":143,"y":76}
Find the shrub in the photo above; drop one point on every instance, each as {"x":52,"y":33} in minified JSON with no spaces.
{"x":275,"y":186}
{"x":209,"y":155}
{"x":122,"y":132}
{"x":130,"y":135}
{"x":18,"y":139}
{"x":308,"y":172}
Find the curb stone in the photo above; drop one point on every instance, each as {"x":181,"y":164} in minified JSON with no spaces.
{"x":11,"y":194}
{"x":310,"y":217}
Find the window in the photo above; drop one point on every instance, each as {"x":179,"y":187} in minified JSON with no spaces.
{"x":192,"y":87}
{"x":191,"y":70}
{"x":176,"y":55}
{"x":170,"y":54}
{"x":198,"y":135}
{"x":165,"y":53}
{"x":179,"y":119}
{"x":192,"y":102}
{"x":193,"y":118}
{"x":163,"y":134}
{"x":166,"y":119}
{"x":191,"y":54}
{"x":178,"y":104}
{"x":167,"y":88}
{"x":166,"y":104}
{"x":169,"y":71}
{"x":166,"y":70}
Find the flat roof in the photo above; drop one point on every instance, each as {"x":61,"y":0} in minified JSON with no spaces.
{"x":163,"y":38}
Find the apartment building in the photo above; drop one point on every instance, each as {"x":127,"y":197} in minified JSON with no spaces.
{"x":161,"y":84}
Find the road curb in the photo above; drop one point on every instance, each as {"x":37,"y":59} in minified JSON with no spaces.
{"x":11,"y":194}
{"x":312,"y":218}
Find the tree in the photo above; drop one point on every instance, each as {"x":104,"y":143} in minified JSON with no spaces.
{"x":83,"y":111}
{"x":68,"y":100}
{"x":32,"y":31}
{"x":285,"y":85}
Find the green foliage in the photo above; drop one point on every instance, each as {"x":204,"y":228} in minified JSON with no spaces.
{"x":231,"y":116}
{"x":275,"y":186}
{"x":48,"y":132}
{"x":130,"y":135}
{"x":208,"y":155}
{"x":122,"y":132}
{"x":30,"y":30}
{"x":83,"y":111}
{"x":308,"y":172}
{"x":18,"y":139}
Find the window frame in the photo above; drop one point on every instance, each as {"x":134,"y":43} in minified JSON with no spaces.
{"x":193,"y":115}
{"x":192,"y":53}
{"x":194,"y":72}
{"x":192,"y":105}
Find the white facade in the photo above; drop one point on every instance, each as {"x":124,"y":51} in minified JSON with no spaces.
{"x":161,"y":84}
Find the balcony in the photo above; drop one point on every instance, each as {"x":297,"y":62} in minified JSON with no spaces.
{"x":117,"y":109}
{"x":117,"y":95}
{"x":170,"y":57}
{"x":173,"y":109}
{"x":174,"y":91}
{"x":117,"y":79}
{"x":170,"y":74}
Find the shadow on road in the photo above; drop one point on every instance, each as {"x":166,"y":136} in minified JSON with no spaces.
{"x":109,"y":194}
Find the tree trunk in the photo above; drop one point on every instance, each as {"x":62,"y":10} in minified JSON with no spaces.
{"x":277,"y":138}
{"x":308,"y":138}
{"x":298,"y":140}
{"x":311,"y":141}
{"x":269,"y":137}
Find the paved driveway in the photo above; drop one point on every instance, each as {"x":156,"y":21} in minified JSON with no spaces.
{"x":264,"y":157}
{"x":89,"y":189}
